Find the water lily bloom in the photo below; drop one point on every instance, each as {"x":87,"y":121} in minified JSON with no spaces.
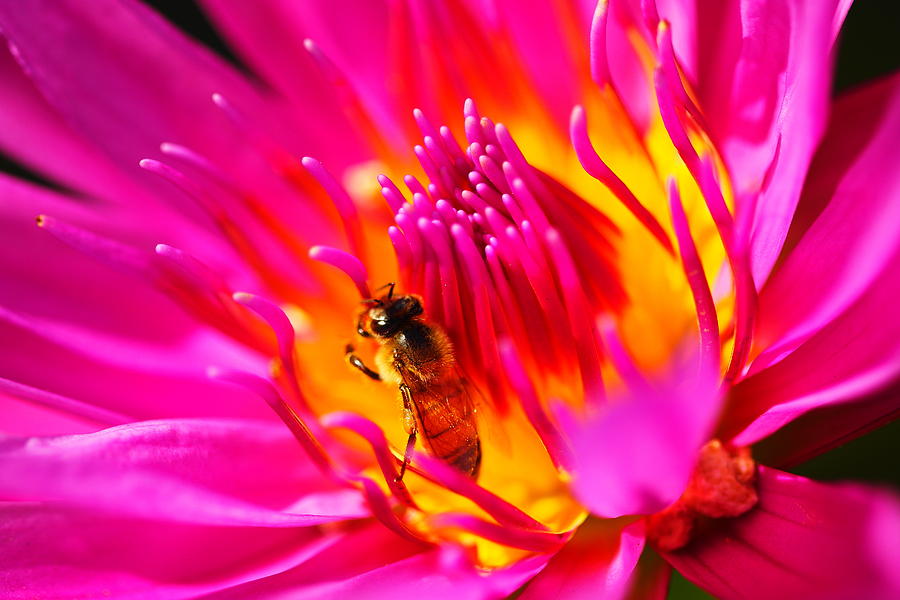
{"x":667,"y":265}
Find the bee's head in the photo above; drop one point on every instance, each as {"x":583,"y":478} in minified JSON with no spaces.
{"x":387,"y":315}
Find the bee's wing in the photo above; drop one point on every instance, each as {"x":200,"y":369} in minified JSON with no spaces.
{"x":454,"y":395}
{"x":486,"y":415}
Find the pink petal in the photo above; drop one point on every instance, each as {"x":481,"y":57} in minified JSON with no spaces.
{"x":538,"y":33}
{"x":827,"y":427}
{"x":597,"y":563}
{"x":58,"y":552}
{"x":855,"y":354}
{"x":79,"y":328}
{"x":30,"y":411}
{"x":27,"y":418}
{"x":136,"y":392}
{"x":235,"y":473}
{"x":635,"y":457}
{"x":377,"y":565}
{"x":803,"y":540}
{"x":354,"y":36}
{"x":848,"y":245}
{"x":629,"y":75}
{"x":127,"y":81}
{"x":35,"y":135}
{"x":695,"y":29}
{"x":761,"y":70}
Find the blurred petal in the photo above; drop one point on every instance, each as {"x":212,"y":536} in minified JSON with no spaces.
{"x":354,"y":35}
{"x":637,"y":455}
{"x":848,"y":246}
{"x":803,"y":540}
{"x":597,"y":563}
{"x":543,"y":38}
{"x":34,"y":134}
{"x":269,"y":35}
{"x":205,"y":472}
{"x":157,"y":90}
{"x":132,"y":391}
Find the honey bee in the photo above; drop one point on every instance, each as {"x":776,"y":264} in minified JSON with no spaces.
{"x":417,"y":356}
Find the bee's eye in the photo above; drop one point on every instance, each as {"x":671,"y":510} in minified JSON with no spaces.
{"x":362,"y":332}
{"x":380,"y":326}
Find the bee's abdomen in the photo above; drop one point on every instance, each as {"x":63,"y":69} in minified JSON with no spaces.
{"x":450,"y":432}
{"x":466,"y":458}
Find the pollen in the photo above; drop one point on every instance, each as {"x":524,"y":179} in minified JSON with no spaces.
{"x":721,"y":487}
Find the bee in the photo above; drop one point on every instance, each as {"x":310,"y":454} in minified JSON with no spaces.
{"x":417,"y":356}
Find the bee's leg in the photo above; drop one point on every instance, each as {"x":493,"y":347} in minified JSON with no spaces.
{"x":357,"y":362}
{"x":409,"y":423}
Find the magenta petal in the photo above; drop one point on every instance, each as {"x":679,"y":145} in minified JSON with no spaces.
{"x":378,"y":565}
{"x":850,"y":242}
{"x":157,"y":85}
{"x":635,"y":457}
{"x":803,"y":439}
{"x":269,"y":36}
{"x":35,"y":135}
{"x":596,"y":564}
{"x":353,"y":35}
{"x":803,"y":540}
{"x":799,"y":37}
{"x":761,"y":71}
{"x":538,"y":35}
{"x":60,"y":552}
{"x":856,"y":353}
{"x":205,"y":472}
{"x":28,"y":418}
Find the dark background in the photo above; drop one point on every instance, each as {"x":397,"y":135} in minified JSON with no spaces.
{"x":869,"y":47}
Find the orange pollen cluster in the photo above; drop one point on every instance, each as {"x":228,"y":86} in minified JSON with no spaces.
{"x":722,"y":486}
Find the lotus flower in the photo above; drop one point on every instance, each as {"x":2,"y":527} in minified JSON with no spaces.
{"x":670,"y":271}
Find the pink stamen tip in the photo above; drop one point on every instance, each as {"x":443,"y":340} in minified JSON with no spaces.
{"x":665,"y":97}
{"x":622,"y":361}
{"x":693,"y":268}
{"x":342,"y":202}
{"x":349,"y":264}
{"x":535,"y":541}
{"x":596,"y":168}
{"x":373,"y":434}
{"x":470,"y":110}
{"x":265,"y":390}
{"x":228,"y":108}
{"x":557,"y":446}
{"x":577,"y":309}
{"x":383,"y":511}
{"x":458,"y":483}
{"x":425,"y":125}
{"x":197,"y":160}
{"x":112,"y":252}
{"x":341,"y":198}
{"x":277,"y":320}
{"x":598,"y":55}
